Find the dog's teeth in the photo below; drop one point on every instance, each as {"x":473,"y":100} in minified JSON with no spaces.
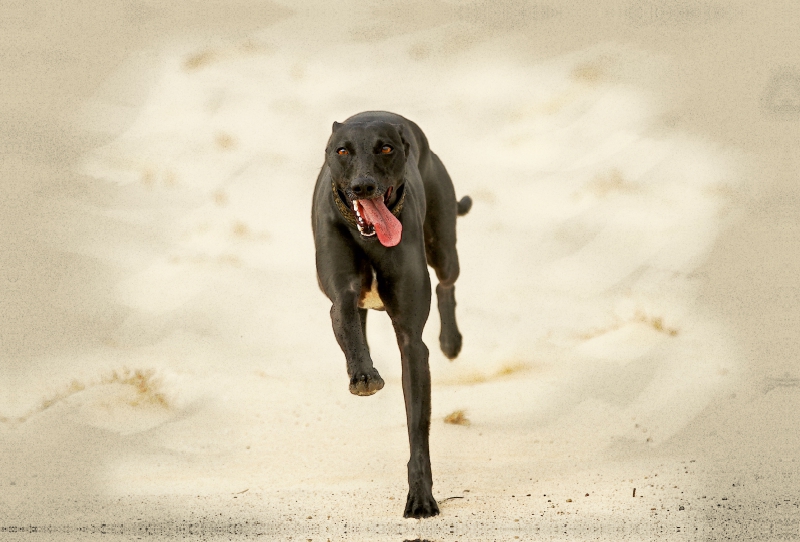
{"x":355,"y":205}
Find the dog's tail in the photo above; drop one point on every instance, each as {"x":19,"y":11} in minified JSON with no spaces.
{"x":464,"y":205}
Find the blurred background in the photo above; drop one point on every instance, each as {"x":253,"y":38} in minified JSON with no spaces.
{"x":628,"y":286}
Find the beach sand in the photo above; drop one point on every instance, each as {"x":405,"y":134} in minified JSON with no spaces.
{"x":627,"y":294}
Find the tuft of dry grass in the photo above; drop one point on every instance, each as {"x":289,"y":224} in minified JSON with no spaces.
{"x":457,"y":418}
{"x":73,"y":388}
{"x":511,"y":367}
{"x":657,"y":323}
{"x":507,"y":369}
{"x":143,"y":381}
{"x":594,"y":332}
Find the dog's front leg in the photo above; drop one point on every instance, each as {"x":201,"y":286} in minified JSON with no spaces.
{"x":408,"y":307}
{"x":417,"y":392}
{"x":347,"y":326}
{"x":340,"y":270}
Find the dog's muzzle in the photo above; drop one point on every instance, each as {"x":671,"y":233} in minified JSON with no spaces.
{"x":371,"y":216}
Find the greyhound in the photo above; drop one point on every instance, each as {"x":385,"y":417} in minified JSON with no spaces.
{"x":383,"y":207}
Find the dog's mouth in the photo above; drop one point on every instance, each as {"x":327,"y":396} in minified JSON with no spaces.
{"x":373,"y":217}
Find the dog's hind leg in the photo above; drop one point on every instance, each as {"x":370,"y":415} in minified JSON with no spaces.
{"x":444,"y":261}
{"x":440,"y":250}
{"x":450,"y":339}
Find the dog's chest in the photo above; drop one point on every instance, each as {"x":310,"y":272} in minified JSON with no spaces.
{"x":369,"y":298}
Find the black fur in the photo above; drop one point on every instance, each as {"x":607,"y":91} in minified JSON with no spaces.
{"x":346,"y":261}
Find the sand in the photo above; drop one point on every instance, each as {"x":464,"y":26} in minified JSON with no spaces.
{"x":626,"y":296}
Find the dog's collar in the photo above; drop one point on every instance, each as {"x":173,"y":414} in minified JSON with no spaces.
{"x":350,"y":215}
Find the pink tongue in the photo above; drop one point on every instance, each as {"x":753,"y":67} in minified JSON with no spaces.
{"x":386,"y":224}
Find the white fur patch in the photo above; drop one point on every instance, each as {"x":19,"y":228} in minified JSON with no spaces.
{"x":371,"y":299}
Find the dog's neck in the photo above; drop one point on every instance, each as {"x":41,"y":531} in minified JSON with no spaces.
{"x":350,"y":216}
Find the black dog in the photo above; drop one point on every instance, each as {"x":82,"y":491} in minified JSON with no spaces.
{"x":383,"y":206}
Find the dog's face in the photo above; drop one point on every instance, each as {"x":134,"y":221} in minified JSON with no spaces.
{"x":366,"y":159}
{"x":367,"y":163}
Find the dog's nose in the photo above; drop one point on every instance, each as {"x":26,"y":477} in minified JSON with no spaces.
{"x":364,"y":187}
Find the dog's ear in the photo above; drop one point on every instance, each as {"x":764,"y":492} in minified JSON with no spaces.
{"x":336,"y":126}
{"x":402,"y":137}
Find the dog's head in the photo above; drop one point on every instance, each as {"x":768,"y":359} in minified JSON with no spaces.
{"x":367,"y":161}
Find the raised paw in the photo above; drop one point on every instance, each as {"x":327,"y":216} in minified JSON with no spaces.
{"x":366,"y":382}
{"x":420,"y":504}
{"x":450,"y":341}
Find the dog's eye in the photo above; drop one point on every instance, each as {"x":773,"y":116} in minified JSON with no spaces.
{"x":386,"y":149}
{"x":341,"y":151}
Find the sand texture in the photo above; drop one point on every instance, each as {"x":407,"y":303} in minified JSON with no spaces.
{"x":628,"y":288}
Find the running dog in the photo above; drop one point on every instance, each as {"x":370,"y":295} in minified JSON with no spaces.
{"x":384,"y":207}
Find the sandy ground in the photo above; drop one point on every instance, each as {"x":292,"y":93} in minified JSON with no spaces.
{"x":627,"y":297}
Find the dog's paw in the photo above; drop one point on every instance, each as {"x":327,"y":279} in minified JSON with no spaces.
{"x":366,"y":382}
{"x":450,"y":343}
{"x":420,"y":504}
